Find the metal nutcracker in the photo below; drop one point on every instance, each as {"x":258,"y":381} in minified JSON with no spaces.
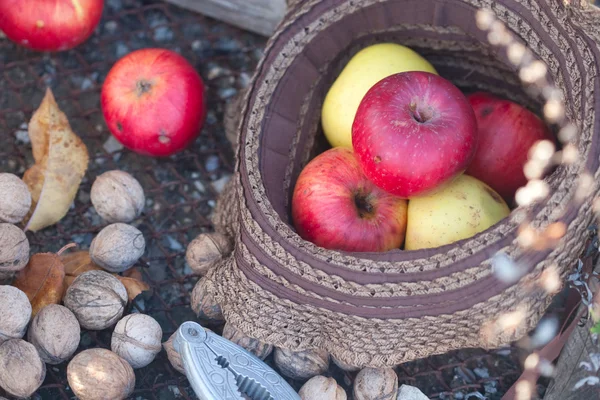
{"x":218,"y":369}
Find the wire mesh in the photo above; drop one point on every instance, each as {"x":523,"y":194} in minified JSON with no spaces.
{"x":181,"y":190}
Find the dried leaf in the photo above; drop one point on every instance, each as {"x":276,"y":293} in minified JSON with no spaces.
{"x":61,"y":160}
{"x":79,"y":262}
{"x":42,"y":280}
{"x":134,"y":287}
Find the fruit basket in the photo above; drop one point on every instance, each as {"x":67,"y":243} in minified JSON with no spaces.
{"x":383,"y":309}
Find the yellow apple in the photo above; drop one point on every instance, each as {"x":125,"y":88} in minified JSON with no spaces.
{"x":458,"y":210}
{"x":365,"y":69}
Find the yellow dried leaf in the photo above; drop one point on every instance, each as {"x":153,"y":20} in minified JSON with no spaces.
{"x":133,"y":286}
{"x":61,"y":160}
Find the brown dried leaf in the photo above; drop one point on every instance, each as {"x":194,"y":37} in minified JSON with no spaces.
{"x":42,"y":280}
{"x":134,"y":287}
{"x":80,"y":261}
{"x":61,"y":160}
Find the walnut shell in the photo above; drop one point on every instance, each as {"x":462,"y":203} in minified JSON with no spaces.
{"x":100,"y":374}
{"x":15,"y":313}
{"x":172,"y":354}
{"x":206,"y":250}
{"x":322,"y":388}
{"x":303,"y":364}
{"x":376,"y":383}
{"x":15,"y":198}
{"x":117,"y":247}
{"x":256,"y":347}
{"x":55,"y":333}
{"x":14,"y":248}
{"x":343,"y":366}
{"x":117,"y":196}
{"x":21,"y":368}
{"x":97,"y":299}
{"x":136,"y":339}
{"x":204,"y":305}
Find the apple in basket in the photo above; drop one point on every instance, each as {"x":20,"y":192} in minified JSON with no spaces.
{"x":153,"y":102}
{"x":506,"y":133}
{"x":335,"y":206}
{"x":49,"y":25}
{"x":414,"y":131}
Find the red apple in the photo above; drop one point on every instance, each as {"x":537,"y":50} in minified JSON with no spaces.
{"x":49,"y":25}
{"x":153,"y":102}
{"x":336,"y":207}
{"x":506,"y":132}
{"x":412,"y":132}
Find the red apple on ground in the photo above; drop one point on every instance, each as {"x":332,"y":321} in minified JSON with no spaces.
{"x":412,"y":132}
{"x":506,"y":133}
{"x":153,"y":102}
{"x":49,"y":25}
{"x":336,"y":207}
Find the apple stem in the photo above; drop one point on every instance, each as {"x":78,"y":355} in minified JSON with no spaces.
{"x":143,"y":86}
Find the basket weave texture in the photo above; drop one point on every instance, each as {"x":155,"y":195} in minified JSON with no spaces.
{"x":382,"y":309}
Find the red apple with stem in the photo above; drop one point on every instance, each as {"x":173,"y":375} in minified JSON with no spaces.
{"x":49,"y":25}
{"x":335,"y":206}
{"x":506,"y":133}
{"x":412,"y":132}
{"x":153,"y":102}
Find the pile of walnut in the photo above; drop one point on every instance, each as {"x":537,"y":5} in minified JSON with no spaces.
{"x":93,"y":295}
{"x":94,"y":288}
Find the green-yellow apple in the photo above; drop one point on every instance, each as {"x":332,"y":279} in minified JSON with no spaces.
{"x":336,"y":207}
{"x":365,"y":69}
{"x":458,"y":210}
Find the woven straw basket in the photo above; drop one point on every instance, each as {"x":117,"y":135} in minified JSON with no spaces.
{"x":382,"y":309}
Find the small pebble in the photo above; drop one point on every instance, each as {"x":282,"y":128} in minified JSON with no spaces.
{"x":226,"y":93}
{"x":112,"y":145}
{"x":212,"y":163}
{"x":22,"y":135}
{"x":163,"y":34}
{"x":481,"y":372}
{"x":220,"y":183}
{"x":196,"y":45}
{"x":244,"y":79}
{"x":406,"y":392}
{"x":121,"y":50}
{"x":111,"y":26}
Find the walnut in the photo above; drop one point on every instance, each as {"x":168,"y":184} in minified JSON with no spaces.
{"x":343,"y":366}
{"x":172,"y":354}
{"x":206,"y":250}
{"x":302,"y":364}
{"x":99,"y":374}
{"x":14,"y":249}
{"x":322,"y":388}
{"x":55,"y":333}
{"x":376,"y":383}
{"x":256,"y":347}
{"x":117,"y":247}
{"x":21,"y":368}
{"x":137,"y":338}
{"x":204,"y":305}
{"x":15,"y":198}
{"x":15,"y":312}
{"x":97,"y":299}
{"x":117,"y":196}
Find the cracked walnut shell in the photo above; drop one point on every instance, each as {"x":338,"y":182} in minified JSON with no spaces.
{"x":14,"y":249}
{"x":55,"y":333}
{"x":136,"y":339}
{"x":322,"y":388}
{"x":97,"y":299}
{"x":117,"y":196}
{"x":302,"y":364}
{"x":117,"y":247}
{"x":206,"y":250}
{"x":22,"y":371}
{"x":15,"y":313}
{"x":100,"y":374}
{"x":15,"y":198}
